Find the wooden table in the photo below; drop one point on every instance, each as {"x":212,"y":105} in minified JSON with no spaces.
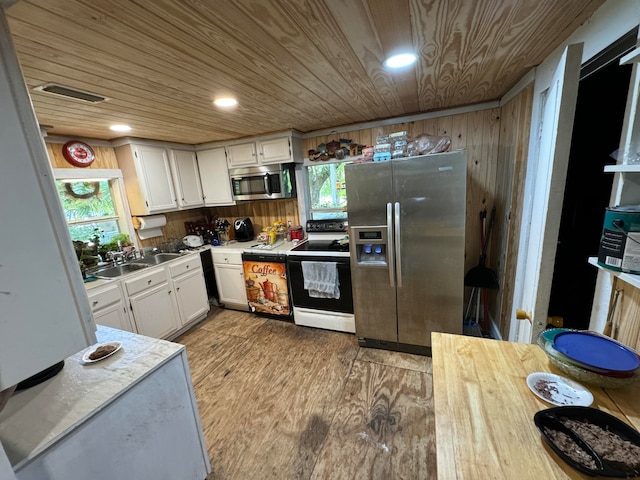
{"x":484,"y":410}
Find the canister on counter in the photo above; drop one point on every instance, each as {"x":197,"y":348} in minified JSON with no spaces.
{"x":297,"y":233}
{"x":620,"y":241}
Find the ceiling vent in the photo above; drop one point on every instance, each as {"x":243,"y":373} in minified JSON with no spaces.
{"x":70,"y":92}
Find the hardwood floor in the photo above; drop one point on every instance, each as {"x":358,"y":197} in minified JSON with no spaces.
{"x":282,"y":401}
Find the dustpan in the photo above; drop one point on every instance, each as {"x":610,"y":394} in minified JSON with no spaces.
{"x":482,"y":276}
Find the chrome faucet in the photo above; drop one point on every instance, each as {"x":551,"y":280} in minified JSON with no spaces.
{"x":116,"y":257}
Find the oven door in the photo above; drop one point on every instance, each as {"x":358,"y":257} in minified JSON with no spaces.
{"x":301,"y":297}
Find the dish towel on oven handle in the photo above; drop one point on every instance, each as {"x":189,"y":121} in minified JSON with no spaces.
{"x":321,"y":279}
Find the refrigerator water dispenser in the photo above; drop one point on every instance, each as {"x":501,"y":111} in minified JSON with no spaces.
{"x":371,"y":246}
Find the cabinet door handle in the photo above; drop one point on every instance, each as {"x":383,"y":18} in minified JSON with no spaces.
{"x":95,"y":302}
{"x":177,"y":289}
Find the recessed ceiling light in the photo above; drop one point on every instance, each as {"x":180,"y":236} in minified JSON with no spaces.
{"x":225,"y":102}
{"x":400,"y":60}
{"x":120,"y":128}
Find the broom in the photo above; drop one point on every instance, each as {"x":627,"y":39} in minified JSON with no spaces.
{"x":480,"y":277}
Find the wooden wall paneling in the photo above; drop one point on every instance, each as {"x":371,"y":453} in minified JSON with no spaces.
{"x":489,"y":196}
{"x":175,"y":227}
{"x":475,"y":132}
{"x":506,"y":158}
{"x":459,"y":130}
{"x":515,"y":123}
{"x":105,"y":157}
{"x":626,"y":327}
{"x":428,"y":127}
{"x":262,"y":212}
{"x":444,"y":126}
{"x":497,"y":184}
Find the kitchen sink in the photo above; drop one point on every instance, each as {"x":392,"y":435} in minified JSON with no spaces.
{"x":119,"y":270}
{"x":156,"y":259}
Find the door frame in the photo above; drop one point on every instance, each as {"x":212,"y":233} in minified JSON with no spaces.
{"x":610,"y":22}
{"x":544,"y":192}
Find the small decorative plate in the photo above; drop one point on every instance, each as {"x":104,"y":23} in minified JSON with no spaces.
{"x":559,"y":391}
{"x":86,"y":359}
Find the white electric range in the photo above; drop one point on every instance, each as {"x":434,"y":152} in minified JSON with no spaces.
{"x":325,"y":243}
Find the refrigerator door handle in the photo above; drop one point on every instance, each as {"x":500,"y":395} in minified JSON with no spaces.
{"x":398,"y":243}
{"x":392,"y":272}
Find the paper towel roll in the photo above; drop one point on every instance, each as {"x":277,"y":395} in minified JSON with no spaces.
{"x":151,"y":226}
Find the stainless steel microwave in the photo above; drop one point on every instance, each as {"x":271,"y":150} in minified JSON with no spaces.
{"x":264,"y":182}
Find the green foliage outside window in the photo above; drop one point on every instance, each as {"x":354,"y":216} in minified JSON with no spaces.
{"x":327,"y":190}
{"x":89,"y":210}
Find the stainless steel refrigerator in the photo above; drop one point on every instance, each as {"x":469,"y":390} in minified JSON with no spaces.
{"x":406,"y":237}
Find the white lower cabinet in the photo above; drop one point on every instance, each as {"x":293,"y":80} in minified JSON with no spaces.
{"x":230,"y":279}
{"x":158,"y":302}
{"x":109,"y":307}
{"x":154,"y":311}
{"x":152,"y":304}
{"x":190,"y":289}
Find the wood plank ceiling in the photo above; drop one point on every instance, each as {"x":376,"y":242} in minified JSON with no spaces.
{"x":307,"y":65}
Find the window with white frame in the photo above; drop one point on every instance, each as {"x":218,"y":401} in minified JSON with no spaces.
{"x":93,"y":203}
{"x":327,"y":190}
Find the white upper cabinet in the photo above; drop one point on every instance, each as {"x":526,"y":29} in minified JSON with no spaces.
{"x":242,"y":155}
{"x":278,"y":148}
{"x":214,"y":176}
{"x":148,"y":180}
{"x":186,"y":178}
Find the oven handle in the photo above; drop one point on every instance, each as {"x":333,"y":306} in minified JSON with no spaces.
{"x":398,"y":242}
{"x":392,"y":271}
{"x":267,"y":184}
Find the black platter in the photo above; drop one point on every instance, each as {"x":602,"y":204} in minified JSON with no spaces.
{"x":551,"y":419}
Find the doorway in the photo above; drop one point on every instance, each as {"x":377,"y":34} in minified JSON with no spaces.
{"x":600,"y":108}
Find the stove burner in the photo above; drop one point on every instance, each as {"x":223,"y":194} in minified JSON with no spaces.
{"x":322,"y":246}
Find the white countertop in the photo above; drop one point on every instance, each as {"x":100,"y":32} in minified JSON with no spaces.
{"x":239,"y":247}
{"x":102,"y":281}
{"x":35,"y":418}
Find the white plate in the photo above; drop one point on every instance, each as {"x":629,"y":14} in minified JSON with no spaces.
{"x":86,"y":359}
{"x":559,"y":390}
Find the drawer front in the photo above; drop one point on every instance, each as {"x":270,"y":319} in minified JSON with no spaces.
{"x":232,"y":258}
{"x":189,"y":264}
{"x":145,"y":281}
{"x":105,"y":297}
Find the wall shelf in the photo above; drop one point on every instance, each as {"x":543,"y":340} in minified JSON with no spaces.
{"x":629,"y":278}
{"x":622,"y":168}
{"x":631,"y":57}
